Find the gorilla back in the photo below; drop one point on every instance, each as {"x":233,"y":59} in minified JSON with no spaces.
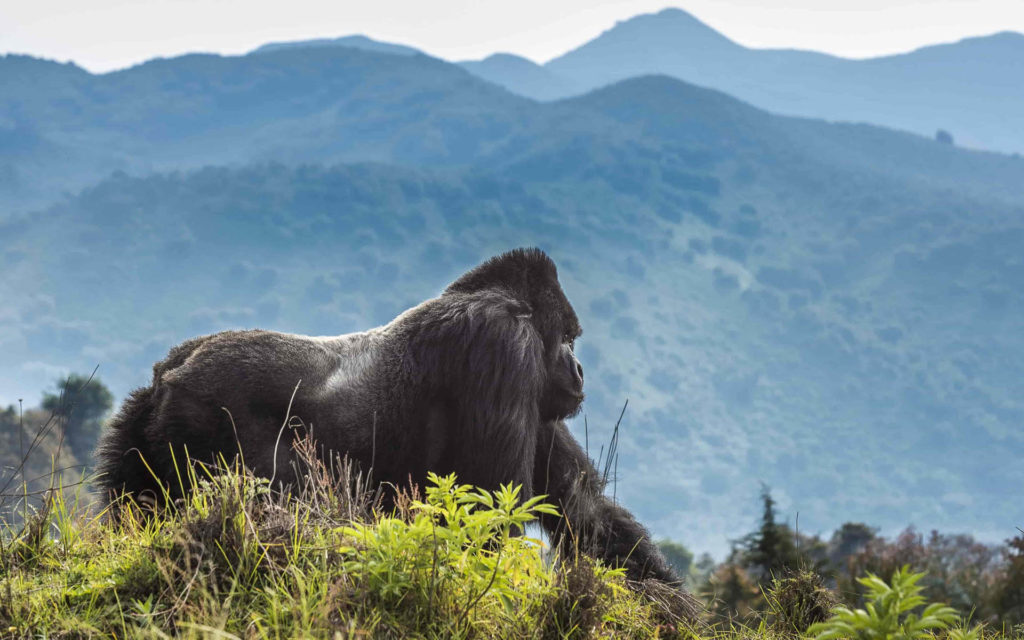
{"x":476,"y":381}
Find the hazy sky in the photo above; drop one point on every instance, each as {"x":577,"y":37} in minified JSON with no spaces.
{"x":108,"y":34}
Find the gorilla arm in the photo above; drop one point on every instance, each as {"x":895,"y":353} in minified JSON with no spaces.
{"x":598,"y":527}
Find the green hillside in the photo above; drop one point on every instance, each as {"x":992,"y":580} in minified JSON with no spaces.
{"x":64,"y":128}
{"x":832,"y":309}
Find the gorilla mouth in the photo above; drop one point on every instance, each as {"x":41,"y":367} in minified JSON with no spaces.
{"x":577,"y":404}
{"x":574,"y":397}
{"x":567,"y":405}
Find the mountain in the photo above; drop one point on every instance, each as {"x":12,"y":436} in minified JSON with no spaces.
{"x":71,"y":128}
{"x":522,"y":76}
{"x":672,"y":42}
{"x":831,"y":309}
{"x":968,"y":88}
{"x":353,"y":41}
{"x":65,"y":128}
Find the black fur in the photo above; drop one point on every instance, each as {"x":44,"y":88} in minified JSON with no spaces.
{"x":475,"y":381}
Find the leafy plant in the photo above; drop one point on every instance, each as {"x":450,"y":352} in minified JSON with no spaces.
{"x":458,"y":537}
{"x":888,"y":615}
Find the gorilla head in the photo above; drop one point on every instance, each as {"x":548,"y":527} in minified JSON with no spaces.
{"x":530,"y":278}
{"x":475,"y":381}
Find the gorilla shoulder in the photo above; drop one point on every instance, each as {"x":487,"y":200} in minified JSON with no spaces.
{"x":239,"y":360}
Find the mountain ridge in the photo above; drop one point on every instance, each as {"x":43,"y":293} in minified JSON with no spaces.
{"x":813,"y":84}
{"x":960,"y":87}
{"x":355,"y":41}
{"x":790,"y":81}
{"x":829,"y":308}
{"x":291,"y":91}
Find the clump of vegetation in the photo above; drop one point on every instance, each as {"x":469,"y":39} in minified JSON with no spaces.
{"x":440,"y":564}
{"x":798,"y":601}
{"x":889,"y":614}
{"x":237,"y":560}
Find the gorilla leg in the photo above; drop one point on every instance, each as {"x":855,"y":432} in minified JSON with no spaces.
{"x":590,"y":520}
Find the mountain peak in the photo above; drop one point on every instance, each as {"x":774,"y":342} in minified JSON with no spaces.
{"x":520,"y":75}
{"x":508,"y":58}
{"x":25,"y":61}
{"x":355,"y":41}
{"x":17,"y":70}
{"x":648,"y":43}
{"x":669,"y":20}
{"x":675,"y":13}
{"x":1001,"y":39}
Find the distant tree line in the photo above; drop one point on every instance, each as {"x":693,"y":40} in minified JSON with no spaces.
{"x":49,"y":447}
{"x":983,"y":581}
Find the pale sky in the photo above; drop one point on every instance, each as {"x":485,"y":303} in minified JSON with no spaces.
{"x":102,"y":35}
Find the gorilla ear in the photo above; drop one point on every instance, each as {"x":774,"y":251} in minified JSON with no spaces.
{"x":521,"y":271}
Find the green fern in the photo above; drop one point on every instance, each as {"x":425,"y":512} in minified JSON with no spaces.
{"x":889,"y":613}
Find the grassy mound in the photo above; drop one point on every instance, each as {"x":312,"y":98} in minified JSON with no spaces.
{"x":236,"y":560}
{"x":239,"y":561}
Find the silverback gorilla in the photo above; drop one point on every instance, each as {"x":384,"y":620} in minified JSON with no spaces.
{"x":476,"y":382}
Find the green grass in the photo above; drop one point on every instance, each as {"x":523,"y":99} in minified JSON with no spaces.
{"x":237,"y":561}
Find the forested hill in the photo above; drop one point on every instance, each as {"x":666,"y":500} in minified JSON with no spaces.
{"x":67,"y":127}
{"x":834,"y":310}
{"x":62,"y":128}
{"x":969,"y":87}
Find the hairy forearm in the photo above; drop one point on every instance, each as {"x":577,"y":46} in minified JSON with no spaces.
{"x":591,"y":522}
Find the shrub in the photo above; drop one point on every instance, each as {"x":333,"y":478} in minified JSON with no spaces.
{"x":458,"y":548}
{"x":888,"y":614}
{"x":798,"y":601}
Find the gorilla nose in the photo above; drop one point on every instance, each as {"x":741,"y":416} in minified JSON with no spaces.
{"x":579,"y":370}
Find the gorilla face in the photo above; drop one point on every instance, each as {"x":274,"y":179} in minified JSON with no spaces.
{"x":563,"y":396}
{"x":556,"y":321}
{"x":531,"y":279}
